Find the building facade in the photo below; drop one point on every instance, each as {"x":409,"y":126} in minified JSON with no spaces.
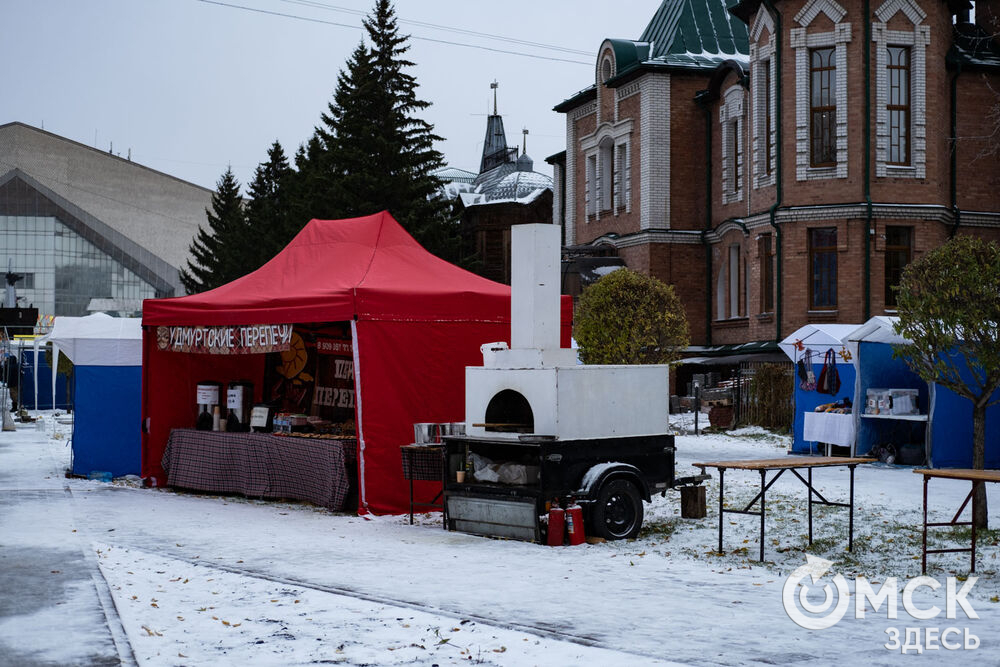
{"x":88,"y":230}
{"x":780,"y":163}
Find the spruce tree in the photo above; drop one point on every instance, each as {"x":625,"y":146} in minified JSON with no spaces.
{"x":214,"y":251}
{"x":379,"y":154}
{"x":266,"y":210}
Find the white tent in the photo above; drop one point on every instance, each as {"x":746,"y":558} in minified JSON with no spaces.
{"x":817,"y":337}
{"x":94,"y":340}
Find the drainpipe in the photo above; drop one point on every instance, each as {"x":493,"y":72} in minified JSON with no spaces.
{"x":953,"y":166}
{"x":868,"y":165}
{"x":773,"y":210}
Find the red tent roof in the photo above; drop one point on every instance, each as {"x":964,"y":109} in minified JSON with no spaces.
{"x":367,"y":268}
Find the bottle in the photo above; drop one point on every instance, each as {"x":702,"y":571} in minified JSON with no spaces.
{"x":204,"y":422}
{"x":216,"y":417}
{"x":232,"y":422}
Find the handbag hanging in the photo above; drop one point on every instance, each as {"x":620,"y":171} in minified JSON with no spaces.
{"x":808,"y":377}
{"x":829,"y":377}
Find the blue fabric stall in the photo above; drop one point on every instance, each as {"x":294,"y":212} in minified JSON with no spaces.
{"x":817,"y":339}
{"x":41,"y":399}
{"x":107,"y":389}
{"x":943,"y":427}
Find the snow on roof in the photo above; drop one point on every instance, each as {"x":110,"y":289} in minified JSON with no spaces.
{"x":454,"y":174}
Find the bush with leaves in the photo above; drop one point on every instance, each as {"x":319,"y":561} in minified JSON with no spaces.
{"x":949,"y":310}
{"x":630,"y":318}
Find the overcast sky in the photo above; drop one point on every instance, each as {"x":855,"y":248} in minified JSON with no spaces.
{"x":190,"y":86}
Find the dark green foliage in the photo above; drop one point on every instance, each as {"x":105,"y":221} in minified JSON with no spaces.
{"x":378,"y":154}
{"x":949,"y":308}
{"x":267,"y":213}
{"x":630,"y":318}
{"x":216,"y":251}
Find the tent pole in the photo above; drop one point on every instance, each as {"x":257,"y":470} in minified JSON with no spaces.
{"x":363,"y":501}
{"x":55,"y":372}
{"x":35,"y":383}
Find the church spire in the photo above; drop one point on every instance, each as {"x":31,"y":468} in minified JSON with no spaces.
{"x":495,"y":150}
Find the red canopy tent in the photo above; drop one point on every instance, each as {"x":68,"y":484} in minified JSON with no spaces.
{"x":416,"y":322}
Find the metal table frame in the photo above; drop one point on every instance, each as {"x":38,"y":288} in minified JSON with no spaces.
{"x":410,"y":454}
{"x":781,"y":465}
{"x":976,"y":477}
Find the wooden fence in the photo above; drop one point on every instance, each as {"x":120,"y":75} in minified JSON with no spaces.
{"x":764,"y":394}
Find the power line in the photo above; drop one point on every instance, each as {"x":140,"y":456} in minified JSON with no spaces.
{"x":446,"y":28}
{"x":415,"y":37}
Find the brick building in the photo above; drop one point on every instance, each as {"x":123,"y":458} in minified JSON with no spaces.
{"x":781,"y":162}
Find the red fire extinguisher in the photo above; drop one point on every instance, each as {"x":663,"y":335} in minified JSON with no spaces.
{"x":574,"y":523}
{"x":557,"y":524}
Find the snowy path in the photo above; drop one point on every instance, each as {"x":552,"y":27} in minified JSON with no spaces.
{"x":378,"y":591}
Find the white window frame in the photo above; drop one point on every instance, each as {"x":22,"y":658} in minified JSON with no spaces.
{"x":623,"y":178}
{"x":601,"y":165}
{"x":731,"y":112}
{"x":591,"y":184}
{"x":917,"y":40}
{"x":801,"y":42}
{"x":722,"y":290}
{"x":762,"y":60}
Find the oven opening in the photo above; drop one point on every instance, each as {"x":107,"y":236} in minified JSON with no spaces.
{"x":509,"y":412}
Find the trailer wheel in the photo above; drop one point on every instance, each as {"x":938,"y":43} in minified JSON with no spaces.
{"x":617,"y":512}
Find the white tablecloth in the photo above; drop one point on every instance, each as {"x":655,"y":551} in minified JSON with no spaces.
{"x":829,"y":427}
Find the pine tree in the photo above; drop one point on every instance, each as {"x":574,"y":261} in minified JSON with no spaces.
{"x":379,"y":154}
{"x":307,"y":189}
{"x":266,"y":210}
{"x":214,"y":260}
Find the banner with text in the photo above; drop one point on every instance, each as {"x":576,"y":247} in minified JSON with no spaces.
{"x":249,"y":339}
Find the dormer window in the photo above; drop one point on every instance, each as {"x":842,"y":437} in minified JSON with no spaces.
{"x":606,"y":70}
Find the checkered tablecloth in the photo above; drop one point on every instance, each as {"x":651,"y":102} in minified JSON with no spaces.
{"x":423,"y":462}
{"x":258,"y":465}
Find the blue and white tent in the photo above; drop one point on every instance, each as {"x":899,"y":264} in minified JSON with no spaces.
{"x":944,"y":423}
{"x":107,"y":389}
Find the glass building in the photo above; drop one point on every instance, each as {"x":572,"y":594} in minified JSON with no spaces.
{"x":63,"y":271}
{"x":88,"y":230}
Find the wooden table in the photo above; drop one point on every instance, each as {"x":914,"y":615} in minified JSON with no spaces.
{"x":974,"y":476}
{"x":423,"y":463}
{"x":781,"y":465}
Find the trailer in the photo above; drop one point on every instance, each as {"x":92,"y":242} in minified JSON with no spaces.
{"x":608,"y":477}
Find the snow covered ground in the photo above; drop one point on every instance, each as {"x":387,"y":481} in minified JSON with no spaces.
{"x":98,"y":573}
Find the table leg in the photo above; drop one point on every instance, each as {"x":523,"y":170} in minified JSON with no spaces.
{"x":850,"y":515}
{"x":411,"y":502}
{"x":923,"y":562}
{"x":809,"y":471}
{"x":974,"y":526}
{"x":763,"y":488}
{"x":722,"y":484}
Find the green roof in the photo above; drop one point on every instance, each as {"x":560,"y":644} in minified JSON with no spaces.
{"x":689,"y":33}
